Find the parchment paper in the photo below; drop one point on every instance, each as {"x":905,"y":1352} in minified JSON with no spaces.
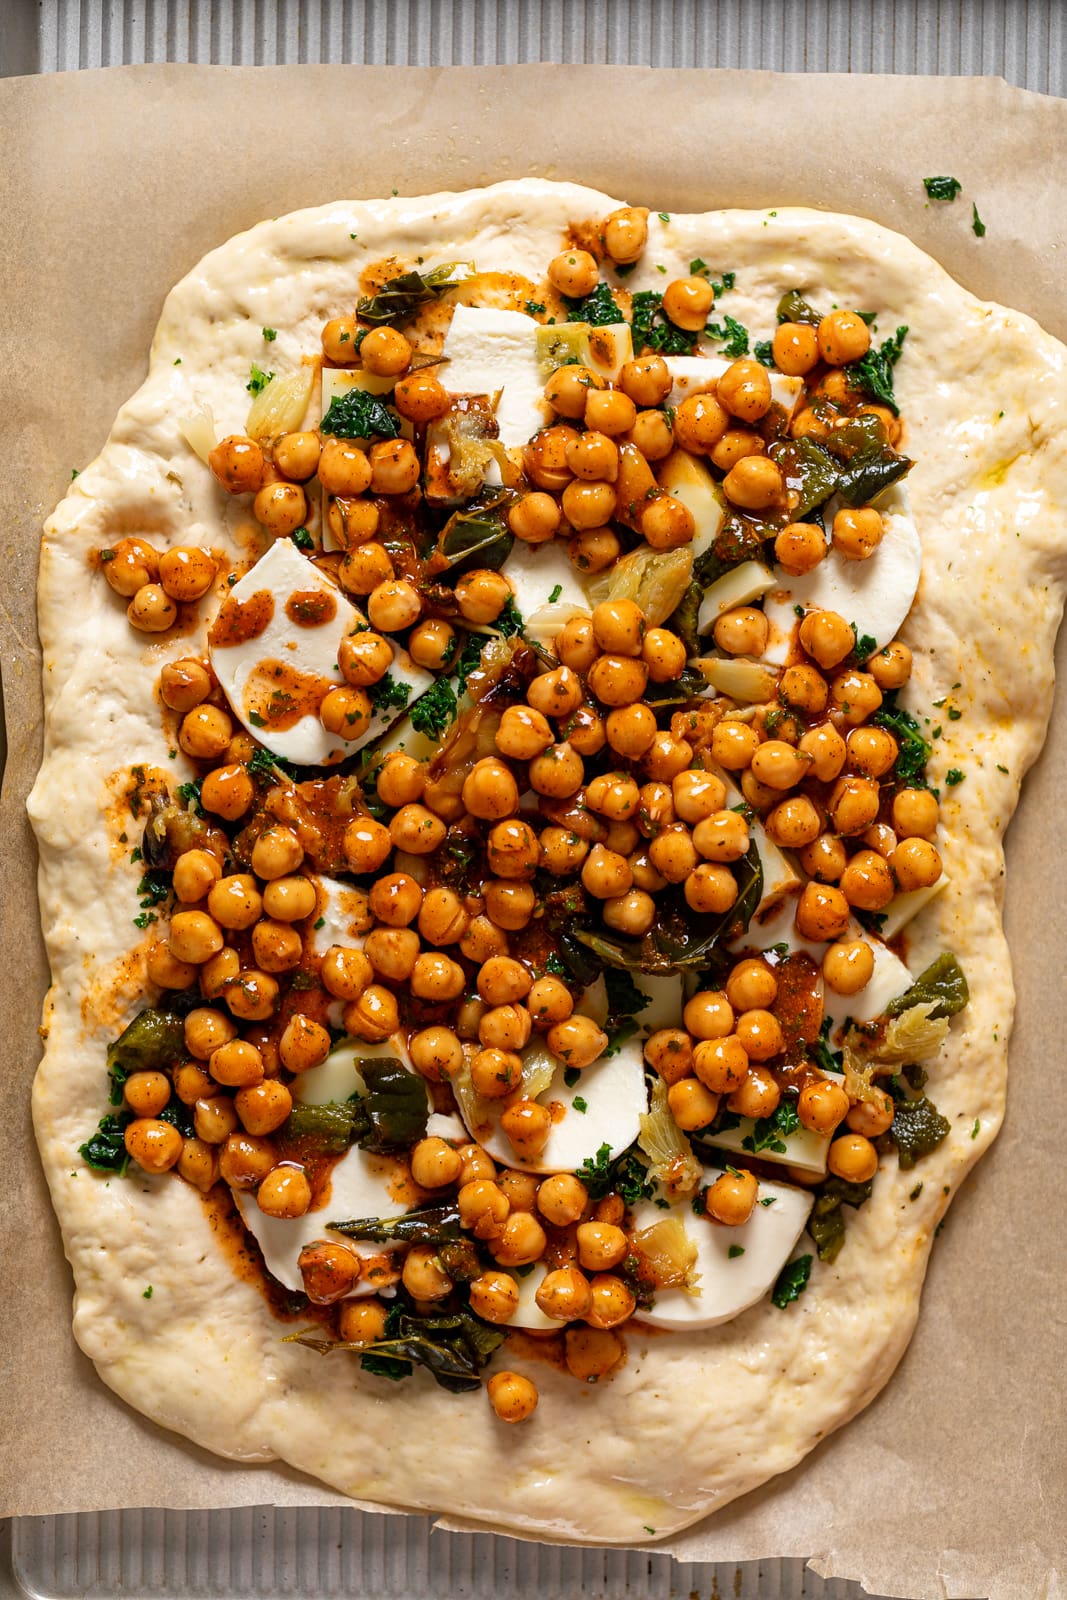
{"x":954,"y":1483}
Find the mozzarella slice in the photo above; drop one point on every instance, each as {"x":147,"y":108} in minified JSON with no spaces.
{"x":613,"y":1090}
{"x":528,"y":1313}
{"x":804,"y":1149}
{"x":548,"y":589}
{"x":489,"y":351}
{"x":901,"y":909}
{"x":738,"y":587}
{"x":286,"y":666}
{"x":694,"y":374}
{"x":875,"y":594}
{"x":361,"y":1185}
{"x":778,"y":876}
{"x":725,"y":1285}
{"x":889,"y":978}
{"x":338,"y":1078}
{"x":664,"y":1009}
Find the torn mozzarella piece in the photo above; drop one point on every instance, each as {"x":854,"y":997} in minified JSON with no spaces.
{"x":665,"y":1001}
{"x":804,"y":1149}
{"x":695,"y":374}
{"x":613,"y":1092}
{"x":528,"y":1313}
{"x":778,"y":876}
{"x":738,"y":587}
{"x":338,"y":1078}
{"x":875,"y":594}
{"x":688,"y":479}
{"x":495,"y":352}
{"x":548,"y":589}
{"x":903,"y":907}
{"x":338,"y":910}
{"x":274,"y":645}
{"x":724,"y":1285}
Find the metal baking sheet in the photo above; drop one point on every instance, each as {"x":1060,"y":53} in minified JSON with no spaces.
{"x":267,"y":1552}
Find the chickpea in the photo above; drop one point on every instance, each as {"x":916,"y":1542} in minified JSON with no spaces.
{"x":872,"y":750}
{"x":244,"y":1161}
{"x":513,"y":850}
{"x":576,"y":648}
{"x":871,"y":1117}
{"x":502,"y":981}
{"x":794,"y":823}
{"x":574,"y":273}
{"x":195,"y":873}
{"x":743,"y":631}
{"x":194,"y":937}
{"x":856,"y":696}
{"x":415,"y":830}
{"x":364,"y":659}
{"x":346,"y":713}
{"x":710,"y":888}
{"x":867,"y":882}
{"x":577,"y":1041}
{"x":588,"y":505}
{"x":652,"y":434}
{"x":890,"y":667}
{"x":758,"y":1096}
{"x":437,"y":977}
{"x":625,"y":234}
{"x":339,"y":341}
{"x":385,"y":352}
{"x":564,"y":1295}
{"x":700,"y":424}
{"x":854,"y":804}
{"x":353,"y":523}
{"x":442,"y":919}
{"x":916,"y":864}
{"x":280,"y":507}
{"x":915,"y":813}
{"x":745,"y":390}
{"x":688,"y":302}
{"x":262,"y":1107}
{"x":421,"y":397}
{"x":494,"y":1297}
{"x":617,"y":680}
{"x":673,"y":853}
{"x":556,"y":693}
{"x":881,"y":838}
{"x":401,"y":780}
{"x":827,"y":638}
{"x":614,"y":795}
{"x":330,"y":1270}
{"x":758,"y":795}
{"x":482,"y":940}
{"x":549,"y":1001}
{"x":853,"y":1158}
{"x":155,"y":1146}
{"x":198,"y":1164}
{"x":613,"y":1302}
{"x":733,"y":744}
{"x":512,"y":1397}
{"x":284,"y":1192}
{"x":825,"y":749}
{"x":434,"y":1164}
{"x":624,"y":837}
{"x":296,"y":455}
{"x":482,"y":595}
{"x":619,"y":627}
{"x":805,"y":689}
{"x":535,"y":517}
{"x":843,"y":336}
{"x":166,"y":971}
{"x":505,"y":1027}
{"x":796,"y":348}
{"x":760,"y":1033}
{"x":184,"y":684}
{"x":205,"y":732}
{"x":374,"y":1015}
{"x":562,"y":1199}
{"x":822,"y":912}
{"x":723,"y":836}
{"x":238,"y":464}
{"x":395,"y":467}
{"x":227,"y":792}
{"x":591,"y":1353}
{"x":484,"y":1207}
{"x":252,"y":996}
{"x":754,"y":483}
{"x":345,"y":973}
{"x":721,"y":1063}
{"x":423,"y":1276}
{"x":520,"y":1188}
{"x":857,"y":533}
{"x":146,"y":1093}
{"x":545,"y":458}
{"x":593,"y":457}
{"x":214,"y":1118}
{"x":129,"y":566}
{"x":605,"y":873}
{"x":186,"y":572}
{"x":691,"y":1104}
{"x":362,"y":1321}
{"x":489,"y":790}
{"x":365,"y":568}
{"x":848,"y":967}
{"x":799,"y":547}
{"x":432,"y":643}
{"x":646,"y":380}
{"x":609,"y":411}
{"x":632,"y":913}
{"x":393,"y":605}
{"x":664,"y":655}
{"x":732,"y":1197}
{"x":631,"y":730}
{"x":522,"y":1238}
{"x":508,"y":905}
{"x":152,"y":610}
{"x":666,"y":757}
{"x":436,"y":1053}
{"x":276,"y":853}
{"x":667,"y":523}
{"x":237,"y":1064}
{"x":205,"y":1030}
{"x":392,"y":952}
{"x":217,"y":974}
{"x":709,"y":1015}
{"x":594,"y":550}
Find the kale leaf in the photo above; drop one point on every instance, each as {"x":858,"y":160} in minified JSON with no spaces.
{"x":942,"y":188}
{"x":105,"y":1150}
{"x":873,"y":373}
{"x":791,"y":1281}
{"x":435,"y":710}
{"x":402,"y":296}
{"x":734,"y":334}
{"x":914,"y":753}
{"x":598,"y":309}
{"x":388,"y":694}
{"x":624,"y":1176}
{"x":943,"y":981}
{"x":769,"y":1133}
{"x":651,"y":328}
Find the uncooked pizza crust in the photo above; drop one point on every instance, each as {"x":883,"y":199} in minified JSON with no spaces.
{"x":690,"y":1421}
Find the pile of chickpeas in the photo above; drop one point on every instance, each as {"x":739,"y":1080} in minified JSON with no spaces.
{"x":589,"y":784}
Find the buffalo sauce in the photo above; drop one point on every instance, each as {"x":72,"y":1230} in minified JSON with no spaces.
{"x":310,"y":608}
{"x":280,"y":694}
{"x":240,"y":621}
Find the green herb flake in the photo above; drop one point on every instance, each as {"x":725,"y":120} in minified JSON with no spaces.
{"x":977,"y":225}
{"x":954,"y":776}
{"x":256,"y":720}
{"x":954,"y":714}
{"x":1000,"y":768}
{"x":555,"y":966}
{"x":534,"y":308}
{"x":942,"y":188}
{"x":320,"y":923}
{"x":791,"y":1281}
{"x":664,"y":216}
{"x":147,"y":1293}
{"x":977,"y":1128}
{"x":763,"y":350}
{"x":510,"y":620}
{"x":435,"y":710}
{"x":554,"y":596}
{"x":387,"y":695}
{"x":734,"y":335}
{"x":735,"y":1250}
{"x":359,"y":415}
{"x":580,"y":1104}
{"x":873,"y":373}
{"x":258,"y":379}
{"x":302,"y":539}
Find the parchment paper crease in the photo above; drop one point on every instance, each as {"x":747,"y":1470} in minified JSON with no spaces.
{"x":114,"y":183}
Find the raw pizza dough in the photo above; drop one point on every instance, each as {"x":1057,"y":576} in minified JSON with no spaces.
{"x":690,"y":1421}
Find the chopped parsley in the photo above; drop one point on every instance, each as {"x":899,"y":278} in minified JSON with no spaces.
{"x":388,"y":694}
{"x":873,"y":373}
{"x":791,"y":1281}
{"x":733,"y":333}
{"x":914,"y":750}
{"x":534,"y":308}
{"x":580,"y":1104}
{"x":763,"y":350}
{"x":652,"y":329}
{"x":270,"y":334}
{"x":625,"y":1177}
{"x":258,"y":379}
{"x":320,"y":922}
{"x":942,"y":188}
{"x":359,"y":415}
{"x":146,"y":1294}
{"x":954,"y":776}
{"x":735,"y":1250}
{"x":435,"y":710}
{"x":977,"y":1128}
{"x":770,"y":1133}
{"x":555,"y":966}
{"x":302,"y":539}
{"x":598,"y":309}
{"x":554,"y":596}
{"x":153,"y":888}
{"x":189,"y":795}
{"x":510,"y":619}
{"x":571,"y":1076}
{"x":953,"y":714}
{"x":977,"y":224}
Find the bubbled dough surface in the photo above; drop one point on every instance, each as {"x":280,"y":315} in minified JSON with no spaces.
{"x":690,"y":1421}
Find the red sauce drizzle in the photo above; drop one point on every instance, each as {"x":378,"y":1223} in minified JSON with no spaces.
{"x":239,"y":621}
{"x":310,"y":608}
{"x":280,"y":695}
